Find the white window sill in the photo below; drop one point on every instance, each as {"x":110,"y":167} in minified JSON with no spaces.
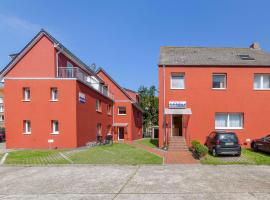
{"x":99,"y":111}
{"x":110,"y":114}
{"x":122,"y":114}
{"x":55,"y":133}
{"x":228,"y":128}
{"x":178,"y":88}
{"x":24,"y":100}
{"x":56,"y":100}
{"x":27,"y":133}
{"x":258,"y":89}
{"x":219,"y":88}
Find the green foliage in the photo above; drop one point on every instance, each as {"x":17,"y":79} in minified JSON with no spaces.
{"x":149,"y":103}
{"x":199,"y":149}
{"x":153,"y":143}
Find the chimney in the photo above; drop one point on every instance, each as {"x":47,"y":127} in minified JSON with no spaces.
{"x":255,"y":45}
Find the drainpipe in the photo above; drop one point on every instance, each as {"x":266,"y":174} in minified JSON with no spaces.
{"x":164,"y":116}
{"x":60,"y":50}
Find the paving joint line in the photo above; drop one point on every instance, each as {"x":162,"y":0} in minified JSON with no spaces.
{"x":127,"y":182}
{"x":3,"y":159}
{"x":66,"y":158}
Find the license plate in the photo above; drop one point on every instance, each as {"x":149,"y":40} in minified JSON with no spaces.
{"x":229,"y":143}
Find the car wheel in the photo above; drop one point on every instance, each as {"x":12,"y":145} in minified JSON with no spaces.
{"x":214,"y":152}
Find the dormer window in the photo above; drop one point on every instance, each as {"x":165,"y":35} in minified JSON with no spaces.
{"x":245,"y":57}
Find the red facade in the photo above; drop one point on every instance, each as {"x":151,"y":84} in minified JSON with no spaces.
{"x":238,"y":105}
{"x":129,"y":122}
{"x":51,"y":98}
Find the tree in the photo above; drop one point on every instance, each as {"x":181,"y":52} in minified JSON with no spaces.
{"x":149,"y":103}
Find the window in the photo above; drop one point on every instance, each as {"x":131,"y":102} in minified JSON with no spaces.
{"x":55,"y":127}
{"x":109,"y":109}
{"x":1,"y":108}
{"x":122,"y":110}
{"x":98,"y":107}
{"x":99,"y":129}
{"x":2,"y":118}
{"x":229,"y":120}
{"x":261,"y":81}
{"x":26,"y":127}
{"x":219,"y":81}
{"x":54,"y":94}
{"x":26,"y":94}
{"x":177,"y":81}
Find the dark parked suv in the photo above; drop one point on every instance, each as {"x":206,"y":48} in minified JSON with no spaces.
{"x":2,"y":135}
{"x":223,"y":143}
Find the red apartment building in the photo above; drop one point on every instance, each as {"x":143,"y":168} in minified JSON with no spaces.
{"x":205,"y":89}
{"x":53,"y":99}
{"x":127,"y":121}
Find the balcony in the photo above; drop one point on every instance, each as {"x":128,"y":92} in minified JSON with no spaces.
{"x":91,"y":81}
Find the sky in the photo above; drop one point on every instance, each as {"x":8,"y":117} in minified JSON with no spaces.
{"x":124,"y":36}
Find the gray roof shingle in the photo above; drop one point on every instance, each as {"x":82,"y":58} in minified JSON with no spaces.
{"x":212,"y":56}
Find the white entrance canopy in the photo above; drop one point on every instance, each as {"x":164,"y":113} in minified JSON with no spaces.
{"x":120,"y":124}
{"x":186,"y":111}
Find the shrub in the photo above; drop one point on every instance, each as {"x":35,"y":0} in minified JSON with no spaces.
{"x":199,"y":149}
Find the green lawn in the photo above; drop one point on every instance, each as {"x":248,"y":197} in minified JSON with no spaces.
{"x":247,"y":157}
{"x":108,"y":154}
{"x":148,"y":142}
{"x":116,"y":154}
{"x":35,"y":157}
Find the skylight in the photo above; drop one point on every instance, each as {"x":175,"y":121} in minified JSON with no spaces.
{"x":245,"y":57}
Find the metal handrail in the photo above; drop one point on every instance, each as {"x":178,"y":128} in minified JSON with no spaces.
{"x":75,"y":72}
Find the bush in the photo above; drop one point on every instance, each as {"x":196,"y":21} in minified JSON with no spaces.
{"x":199,"y":149}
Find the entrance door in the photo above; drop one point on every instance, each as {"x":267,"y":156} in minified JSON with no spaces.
{"x":177,"y":125}
{"x":121,"y":131}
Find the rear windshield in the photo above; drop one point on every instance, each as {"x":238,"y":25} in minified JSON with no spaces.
{"x":228,"y":136}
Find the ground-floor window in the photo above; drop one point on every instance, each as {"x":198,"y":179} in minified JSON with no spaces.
{"x":26,"y":127}
{"x":228,"y":120}
{"x":99,"y":129}
{"x":55,"y":126}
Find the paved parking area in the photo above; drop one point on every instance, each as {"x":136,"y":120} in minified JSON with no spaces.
{"x":135,"y":182}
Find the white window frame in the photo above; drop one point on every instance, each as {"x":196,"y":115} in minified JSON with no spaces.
{"x":99,"y":129}
{"x":26,"y":94}
{"x":109,"y":109}
{"x":184,"y":80}
{"x":119,"y":110}
{"x":228,"y":122}
{"x":27,"y":127}
{"x":225,"y":81}
{"x":1,"y":108}
{"x":54,"y":94}
{"x":53,"y":127}
{"x":98,"y":105}
{"x":261,"y":81}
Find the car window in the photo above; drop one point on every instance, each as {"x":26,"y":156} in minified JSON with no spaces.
{"x":226,"y":137}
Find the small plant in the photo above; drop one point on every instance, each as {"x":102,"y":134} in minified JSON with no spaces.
{"x":199,"y":149}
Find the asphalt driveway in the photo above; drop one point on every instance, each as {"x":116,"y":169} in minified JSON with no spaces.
{"x":135,"y":182}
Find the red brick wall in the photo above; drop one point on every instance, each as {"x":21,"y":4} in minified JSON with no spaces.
{"x":205,"y":102}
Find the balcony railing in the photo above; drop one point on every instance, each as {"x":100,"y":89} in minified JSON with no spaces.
{"x":91,"y":81}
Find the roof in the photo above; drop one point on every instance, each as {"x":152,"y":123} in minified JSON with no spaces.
{"x":16,"y":57}
{"x":121,"y":88}
{"x":213,"y":56}
{"x":129,"y":90}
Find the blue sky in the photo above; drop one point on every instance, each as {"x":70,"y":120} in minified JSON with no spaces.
{"x":124,"y":36}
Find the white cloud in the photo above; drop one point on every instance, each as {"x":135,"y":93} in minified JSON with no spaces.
{"x":18,"y":24}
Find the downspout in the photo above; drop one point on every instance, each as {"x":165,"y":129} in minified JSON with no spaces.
{"x":60,"y":50}
{"x":164,"y":116}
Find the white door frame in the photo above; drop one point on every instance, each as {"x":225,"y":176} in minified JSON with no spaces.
{"x":119,"y":131}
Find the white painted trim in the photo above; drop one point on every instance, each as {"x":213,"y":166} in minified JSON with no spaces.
{"x":55,"y":133}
